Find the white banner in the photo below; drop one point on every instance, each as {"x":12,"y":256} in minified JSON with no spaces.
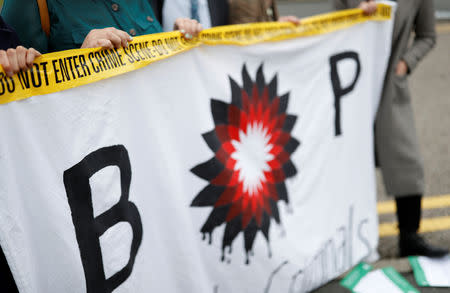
{"x":221,"y":169}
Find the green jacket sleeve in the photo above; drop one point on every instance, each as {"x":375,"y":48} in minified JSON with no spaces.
{"x":24,"y":17}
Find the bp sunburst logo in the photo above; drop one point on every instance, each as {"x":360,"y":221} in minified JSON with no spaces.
{"x":252,"y":146}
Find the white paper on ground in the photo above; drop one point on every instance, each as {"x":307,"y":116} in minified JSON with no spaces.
{"x":377,"y":281}
{"x":431,"y":272}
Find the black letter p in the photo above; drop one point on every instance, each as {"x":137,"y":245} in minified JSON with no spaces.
{"x":339,"y":92}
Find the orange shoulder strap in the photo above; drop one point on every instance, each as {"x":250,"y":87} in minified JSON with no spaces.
{"x":45,"y":18}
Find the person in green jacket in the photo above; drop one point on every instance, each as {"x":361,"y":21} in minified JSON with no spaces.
{"x":86,"y":23}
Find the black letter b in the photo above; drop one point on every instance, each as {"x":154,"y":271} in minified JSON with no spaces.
{"x":89,"y":229}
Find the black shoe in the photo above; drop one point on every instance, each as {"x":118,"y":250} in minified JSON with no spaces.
{"x":413,"y":244}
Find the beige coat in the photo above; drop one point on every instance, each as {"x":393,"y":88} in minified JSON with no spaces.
{"x":395,"y":135}
{"x":245,"y":11}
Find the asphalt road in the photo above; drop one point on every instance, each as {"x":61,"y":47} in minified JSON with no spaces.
{"x":430,"y":88}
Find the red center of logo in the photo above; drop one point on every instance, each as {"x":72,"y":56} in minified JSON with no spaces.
{"x":252,"y":145}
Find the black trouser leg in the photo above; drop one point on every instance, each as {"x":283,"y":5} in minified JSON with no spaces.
{"x":409,"y":211}
{"x":7,"y":283}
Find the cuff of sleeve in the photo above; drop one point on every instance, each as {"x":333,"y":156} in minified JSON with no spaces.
{"x":410,"y":61}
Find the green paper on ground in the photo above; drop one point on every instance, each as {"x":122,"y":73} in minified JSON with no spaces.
{"x":362,"y":280}
{"x":431,"y":272}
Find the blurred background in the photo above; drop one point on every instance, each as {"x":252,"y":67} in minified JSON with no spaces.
{"x":305,"y":8}
{"x":310,"y":7}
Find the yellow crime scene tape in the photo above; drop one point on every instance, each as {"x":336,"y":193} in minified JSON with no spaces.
{"x":62,"y":70}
